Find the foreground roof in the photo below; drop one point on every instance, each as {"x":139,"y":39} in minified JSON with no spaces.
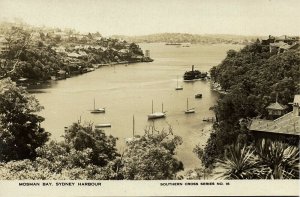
{"x":277,"y":106}
{"x":286,"y":124}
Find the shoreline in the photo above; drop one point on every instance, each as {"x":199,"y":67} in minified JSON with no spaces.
{"x":34,"y":84}
{"x":205,"y":134}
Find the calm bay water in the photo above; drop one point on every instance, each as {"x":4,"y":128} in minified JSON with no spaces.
{"x":128,"y":90}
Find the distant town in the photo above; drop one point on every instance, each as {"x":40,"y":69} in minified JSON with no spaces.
{"x":52,"y":53}
{"x":191,"y":38}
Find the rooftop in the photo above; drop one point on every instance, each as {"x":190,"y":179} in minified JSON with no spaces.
{"x":2,"y":39}
{"x":277,"y":106}
{"x":297,"y":99}
{"x":286,"y":124}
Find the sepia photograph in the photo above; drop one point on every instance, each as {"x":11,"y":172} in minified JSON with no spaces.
{"x":129,"y":94}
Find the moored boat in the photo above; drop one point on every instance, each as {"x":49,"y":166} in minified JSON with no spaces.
{"x":194,"y":75}
{"x":188,"y":111}
{"x":198,"y":96}
{"x":156,"y":115}
{"x":97,"y":110}
{"x":173,"y":43}
{"x":178,"y":87}
{"x":102,"y":125}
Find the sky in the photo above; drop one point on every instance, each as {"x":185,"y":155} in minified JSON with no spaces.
{"x":141,"y":17}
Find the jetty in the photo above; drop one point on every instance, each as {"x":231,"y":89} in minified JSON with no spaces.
{"x":209,"y":119}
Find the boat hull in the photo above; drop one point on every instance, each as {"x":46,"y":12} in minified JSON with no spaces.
{"x":156,"y":115}
{"x":102,"y":125}
{"x":98,"y":111}
{"x":191,"y":111}
{"x":198,"y":96}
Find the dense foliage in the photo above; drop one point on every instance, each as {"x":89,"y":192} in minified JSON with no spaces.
{"x":103,"y":148}
{"x":265,"y":160}
{"x":84,"y":154}
{"x":88,"y":153}
{"x":251,"y":78}
{"x":30,"y":53}
{"x":20,"y":131}
{"x":151,"y":157}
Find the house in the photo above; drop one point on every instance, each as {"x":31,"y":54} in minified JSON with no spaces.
{"x":3,"y":44}
{"x":281,"y":44}
{"x":96,"y":47}
{"x":82,"y":53}
{"x":276,"y":110}
{"x":147,"y":53}
{"x":79,"y":47}
{"x":62,"y":35}
{"x":60,"y":49}
{"x":74,"y":55}
{"x":97,"y":38}
{"x":123,"y":52}
{"x":285,"y":126}
{"x":267,"y":41}
{"x":35,"y":35}
{"x":61,"y":74}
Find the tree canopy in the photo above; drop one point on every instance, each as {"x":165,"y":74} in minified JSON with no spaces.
{"x":88,"y":153}
{"x":20,"y":127}
{"x":251,"y":77}
{"x":151,"y":157}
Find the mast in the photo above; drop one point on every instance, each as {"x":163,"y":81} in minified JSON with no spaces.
{"x":152,"y":106}
{"x":177,"y":81}
{"x":162,"y":107}
{"x":187,"y":104}
{"x":94,"y":104}
{"x":133,"y":126}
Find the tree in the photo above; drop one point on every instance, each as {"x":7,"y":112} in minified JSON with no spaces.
{"x":58,"y":161}
{"x":20,"y":127}
{"x":265,"y":160}
{"x":18,"y":40}
{"x":103,"y":148}
{"x":84,"y":154}
{"x":252,"y":77}
{"x":280,"y":161}
{"x":135,"y":49}
{"x":151,"y":157}
{"x":239,"y":164}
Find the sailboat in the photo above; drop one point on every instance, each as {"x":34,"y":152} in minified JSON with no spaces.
{"x":188,"y":111}
{"x":155,"y":115}
{"x":134,"y":137}
{"x":98,"y":110}
{"x":178,"y":87}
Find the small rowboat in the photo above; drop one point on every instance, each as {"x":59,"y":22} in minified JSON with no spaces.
{"x":198,"y":96}
{"x":103,"y":125}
